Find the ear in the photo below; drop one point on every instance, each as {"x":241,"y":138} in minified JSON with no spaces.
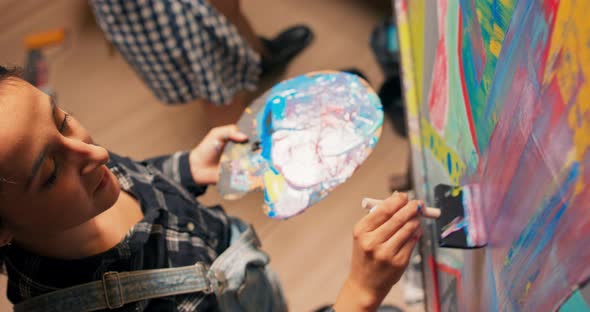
{"x":5,"y":237}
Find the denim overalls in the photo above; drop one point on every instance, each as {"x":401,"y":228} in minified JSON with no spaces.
{"x":238,"y":277}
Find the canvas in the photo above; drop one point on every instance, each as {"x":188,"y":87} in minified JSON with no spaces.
{"x":498,"y":95}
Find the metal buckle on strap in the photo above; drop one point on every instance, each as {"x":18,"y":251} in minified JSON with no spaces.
{"x":106,"y":277}
{"x":215,"y":281}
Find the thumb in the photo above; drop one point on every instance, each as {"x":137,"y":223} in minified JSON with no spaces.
{"x":231,"y":133}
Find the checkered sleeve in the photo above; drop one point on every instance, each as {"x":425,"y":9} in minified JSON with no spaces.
{"x":177,"y":167}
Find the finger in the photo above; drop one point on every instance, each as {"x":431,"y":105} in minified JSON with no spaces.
{"x":237,"y":136}
{"x":405,"y":252}
{"x":400,"y":237}
{"x":370,"y":203}
{"x":382,"y":212}
{"x":397,"y":221}
{"x":218,"y":145}
{"x":229,"y":132}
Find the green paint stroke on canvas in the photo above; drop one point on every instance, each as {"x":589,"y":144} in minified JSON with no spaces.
{"x":492,"y":17}
{"x":416,"y":22}
{"x":457,"y":132}
{"x":575,"y":303}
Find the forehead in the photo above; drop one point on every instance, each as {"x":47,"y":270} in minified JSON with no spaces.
{"x":21,"y":124}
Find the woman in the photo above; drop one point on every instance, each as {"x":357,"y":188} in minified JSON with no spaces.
{"x":83,"y":229}
{"x":197,"y":49}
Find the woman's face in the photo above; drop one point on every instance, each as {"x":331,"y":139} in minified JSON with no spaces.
{"x":55,"y":178}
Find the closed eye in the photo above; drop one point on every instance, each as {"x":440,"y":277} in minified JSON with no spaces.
{"x":52,"y":178}
{"x":64,"y":123}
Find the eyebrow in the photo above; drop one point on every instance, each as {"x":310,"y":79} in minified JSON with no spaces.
{"x":39,"y":161}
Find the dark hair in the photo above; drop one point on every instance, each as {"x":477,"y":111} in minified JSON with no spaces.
{"x":5,"y":73}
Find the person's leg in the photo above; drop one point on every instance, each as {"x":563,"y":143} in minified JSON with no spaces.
{"x":219,"y":115}
{"x":232,"y":10}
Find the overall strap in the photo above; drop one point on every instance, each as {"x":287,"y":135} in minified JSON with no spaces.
{"x":119,"y":288}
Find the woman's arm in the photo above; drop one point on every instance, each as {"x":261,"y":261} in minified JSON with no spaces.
{"x":382,"y":244}
{"x":177,"y":167}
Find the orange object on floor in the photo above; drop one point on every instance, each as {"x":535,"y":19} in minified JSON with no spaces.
{"x":44,"y":39}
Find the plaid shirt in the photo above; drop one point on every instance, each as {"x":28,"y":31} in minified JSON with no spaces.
{"x":176,"y":231}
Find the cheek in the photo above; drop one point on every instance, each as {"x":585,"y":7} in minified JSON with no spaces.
{"x":66,"y":206}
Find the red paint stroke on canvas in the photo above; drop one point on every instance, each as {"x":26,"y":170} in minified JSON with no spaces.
{"x":432,"y":265}
{"x":451,"y":271}
{"x":438,"y":101}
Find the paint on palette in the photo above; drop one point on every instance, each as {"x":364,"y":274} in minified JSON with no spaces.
{"x":307,"y":135}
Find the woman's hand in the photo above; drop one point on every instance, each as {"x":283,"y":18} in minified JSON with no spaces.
{"x":204,"y":159}
{"x":383,"y":241}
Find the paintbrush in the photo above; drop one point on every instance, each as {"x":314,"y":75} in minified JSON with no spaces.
{"x":428,"y":212}
{"x":459,"y":223}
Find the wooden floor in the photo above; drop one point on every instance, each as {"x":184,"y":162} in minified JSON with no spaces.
{"x":311,"y":252}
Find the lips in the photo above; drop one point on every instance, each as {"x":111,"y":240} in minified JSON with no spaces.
{"x":104,"y":179}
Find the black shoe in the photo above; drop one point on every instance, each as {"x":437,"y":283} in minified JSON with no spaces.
{"x":284,"y":47}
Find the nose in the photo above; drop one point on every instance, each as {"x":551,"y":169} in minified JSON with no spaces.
{"x":88,"y":156}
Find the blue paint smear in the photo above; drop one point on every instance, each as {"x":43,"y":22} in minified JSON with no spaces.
{"x":266,"y":199}
{"x":449,"y":163}
{"x":265,"y":130}
{"x":529,"y":233}
{"x":431,"y":142}
{"x":575,"y":303}
{"x":538,"y":233}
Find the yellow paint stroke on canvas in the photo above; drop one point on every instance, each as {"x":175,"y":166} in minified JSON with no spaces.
{"x":569,"y":60}
{"x":496,"y":42}
{"x":410,"y":91}
{"x":410,"y":81}
{"x":495,"y":47}
{"x":416,"y":24}
{"x":445,"y":155}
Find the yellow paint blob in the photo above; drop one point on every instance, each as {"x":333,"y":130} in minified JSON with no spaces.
{"x":275,"y":184}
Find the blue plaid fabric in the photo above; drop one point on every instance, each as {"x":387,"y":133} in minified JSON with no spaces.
{"x":176,"y":231}
{"x":182,"y":49}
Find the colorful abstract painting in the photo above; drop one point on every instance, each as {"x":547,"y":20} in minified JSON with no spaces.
{"x":307,"y":135}
{"x":505,"y":105}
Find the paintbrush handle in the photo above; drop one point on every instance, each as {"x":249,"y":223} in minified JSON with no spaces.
{"x":428,"y":212}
